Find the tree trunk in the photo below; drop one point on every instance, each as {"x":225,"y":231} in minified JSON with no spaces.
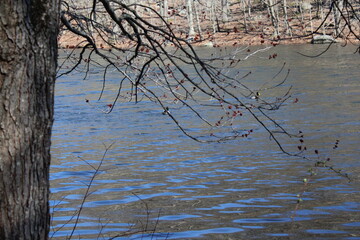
{"x":196,"y":9}
{"x":243,"y":3}
{"x":164,"y":9}
{"x":322,"y":15}
{"x":212,"y":7}
{"x":225,"y":10}
{"x":286,"y":20}
{"x":337,"y":16}
{"x":190,"y":13}
{"x":273,"y":10}
{"x":28,"y":56}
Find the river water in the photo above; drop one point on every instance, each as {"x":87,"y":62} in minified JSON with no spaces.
{"x":154,"y":176}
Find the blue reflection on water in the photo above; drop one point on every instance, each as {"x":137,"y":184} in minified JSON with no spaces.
{"x":187,"y":234}
{"x":347,"y":207}
{"x":271,"y":220}
{"x":176,"y":217}
{"x":324,"y":231}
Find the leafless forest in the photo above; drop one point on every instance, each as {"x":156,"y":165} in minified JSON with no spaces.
{"x":218,"y":22}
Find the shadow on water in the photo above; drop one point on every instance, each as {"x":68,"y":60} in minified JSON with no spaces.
{"x":244,"y":189}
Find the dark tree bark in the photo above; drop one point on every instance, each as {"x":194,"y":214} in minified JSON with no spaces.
{"x":28,"y":56}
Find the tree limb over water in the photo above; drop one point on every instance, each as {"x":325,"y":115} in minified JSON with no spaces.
{"x":156,"y":64}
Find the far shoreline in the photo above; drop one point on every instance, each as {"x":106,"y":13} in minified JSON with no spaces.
{"x":70,"y":41}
